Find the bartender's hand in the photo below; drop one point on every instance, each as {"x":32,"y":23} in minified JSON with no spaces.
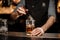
{"x":37,"y":32}
{"x":21,"y":11}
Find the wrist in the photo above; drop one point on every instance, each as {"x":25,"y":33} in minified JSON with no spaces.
{"x":44,"y":27}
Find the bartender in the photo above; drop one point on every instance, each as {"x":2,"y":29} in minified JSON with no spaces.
{"x":43,"y":11}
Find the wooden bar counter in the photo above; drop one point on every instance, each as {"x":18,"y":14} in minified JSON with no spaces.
{"x":23,"y":36}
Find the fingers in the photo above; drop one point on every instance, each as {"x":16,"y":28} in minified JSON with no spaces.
{"x":21,"y":11}
{"x":37,"y":32}
{"x":40,"y":34}
{"x":21,"y":8}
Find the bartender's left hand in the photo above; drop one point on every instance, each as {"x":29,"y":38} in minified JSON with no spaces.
{"x":37,"y":32}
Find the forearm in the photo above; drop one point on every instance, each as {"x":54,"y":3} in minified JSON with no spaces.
{"x":49,"y":23}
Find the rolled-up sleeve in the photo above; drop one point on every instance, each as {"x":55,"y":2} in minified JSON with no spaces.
{"x":51,"y":9}
{"x":21,"y":3}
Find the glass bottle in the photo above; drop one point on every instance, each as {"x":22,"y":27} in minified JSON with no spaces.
{"x":30,"y":25}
